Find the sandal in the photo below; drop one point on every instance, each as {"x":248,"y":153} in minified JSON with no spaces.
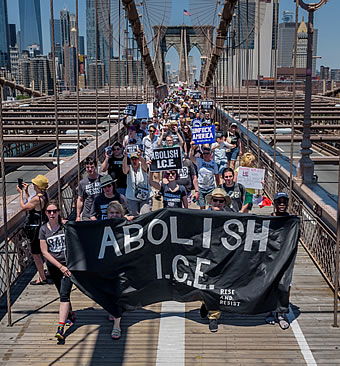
{"x":116,"y":333}
{"x":37,"y":283}
{"x":283,"y":321}
{"x":270,"y":319}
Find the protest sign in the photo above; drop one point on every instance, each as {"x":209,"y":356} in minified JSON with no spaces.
{"x":207,"y":104}
{"x":168,"y":158}
{"x":130,"y":110}
{"x":130,"y":149}
{"x":233,"y":262}
{"x":250,"y":177}
{"x":196,"y":123}
{"x":203,"y":135}
{"x":196,"y":96}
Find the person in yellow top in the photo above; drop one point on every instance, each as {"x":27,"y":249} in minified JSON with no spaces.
{"x":247,"y":160}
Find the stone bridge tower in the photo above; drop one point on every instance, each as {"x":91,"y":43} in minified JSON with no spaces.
{"x":183,"y":38}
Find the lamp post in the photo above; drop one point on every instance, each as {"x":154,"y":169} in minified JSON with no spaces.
{"x":306,"y":165}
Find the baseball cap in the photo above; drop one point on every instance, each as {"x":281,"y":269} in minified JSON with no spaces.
{"x":279,"y":195}
{"x":233,"y":124}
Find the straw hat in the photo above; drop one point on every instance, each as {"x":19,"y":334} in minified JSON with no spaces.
{"x":218,"y":193}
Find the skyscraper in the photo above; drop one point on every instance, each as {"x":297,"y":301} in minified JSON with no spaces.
{"x":30,"y":23}
{"x":4,"y":37}
{"x":81,"y":45}
{"x":12,"y":35}
{"x":57,"y":36}
{"x":65,"y":27}
{"x":103,"y":45}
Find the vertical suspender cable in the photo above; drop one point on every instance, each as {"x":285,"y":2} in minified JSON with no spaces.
{"x":239,"y":63}
{"x":258,"y":83}
{"x":228,"y":58}
{"x":4,"y":213}
{"x":77,"y":89}
{"x":110,"y":48}
{"x":293,"y":106}
{"x":55,"y":104}
{"x":275,"y":92}
{"x":247,"y":71}
{"x":96,"y":33}
{"x":336,"y":279}
{"x":119,"y":67}
{"x":232,"y":67}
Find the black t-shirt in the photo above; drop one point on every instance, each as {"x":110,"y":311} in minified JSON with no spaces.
{"x":234,"y":138}
{"x":55,"y":241}
{"x":172,"y":199}
{"x":99,"y":207}
{"x":116,"y":166}
{"x":186,"y":174}
{"x":236,"y":193}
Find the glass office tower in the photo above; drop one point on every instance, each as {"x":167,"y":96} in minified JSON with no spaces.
{"x":30,"y":23}
{"x":4,"y":37}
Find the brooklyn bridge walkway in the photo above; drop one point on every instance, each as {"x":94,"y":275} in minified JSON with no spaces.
{"x":171,"y":333}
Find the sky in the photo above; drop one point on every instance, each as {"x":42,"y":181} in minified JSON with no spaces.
{"x":326,"y":20}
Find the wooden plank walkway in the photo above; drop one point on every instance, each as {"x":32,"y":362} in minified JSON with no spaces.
{"x":241,"y":340}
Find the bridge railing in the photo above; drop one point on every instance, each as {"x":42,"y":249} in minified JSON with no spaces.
{"x":317,"y":236}
{"x":19,"y":250}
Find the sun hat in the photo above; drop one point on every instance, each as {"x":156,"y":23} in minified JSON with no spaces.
{"x":40,"y":181}
{"x":219,"y":193}
{"x":106,"y":180}
{"x":134,"y":155}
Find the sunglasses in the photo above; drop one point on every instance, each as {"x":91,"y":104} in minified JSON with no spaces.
{"x":217,"y":200}
{"x":206,"y":153}
{"x":116,"y":149}
{"x":51,"y":211}
{"x":172,"y":173}
{"x":152,"y":131}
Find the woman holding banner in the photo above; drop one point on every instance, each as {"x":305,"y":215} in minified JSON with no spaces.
{"x":174,"y":195}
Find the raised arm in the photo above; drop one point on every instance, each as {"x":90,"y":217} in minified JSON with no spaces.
{"x":191,"y":153}
{"x":153,"y":183}
{"x":125,"y":167}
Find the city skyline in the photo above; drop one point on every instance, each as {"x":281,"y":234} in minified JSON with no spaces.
{"x":325,"y":21}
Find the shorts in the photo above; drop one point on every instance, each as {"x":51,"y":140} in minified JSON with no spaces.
{"x":248,"y":199}
{"x":233,"y":154}
{"x":221,"y":165}
{"x":203,"y":193}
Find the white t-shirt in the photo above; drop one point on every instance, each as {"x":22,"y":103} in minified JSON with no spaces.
{"x":206,"y":171}
{"x":134,"y":180}
{"x":220,"y":151}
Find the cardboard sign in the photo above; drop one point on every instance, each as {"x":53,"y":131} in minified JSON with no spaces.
{"x":250,"y":177}
{"x":130,"y":110}
{"x":203,"y":135}
{"x":168,"y":158}
{"x":207,"y":104}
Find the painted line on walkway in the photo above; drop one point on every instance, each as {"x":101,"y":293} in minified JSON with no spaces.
{"x":171,"y":338}
{"x":300,"y":338}
{"x":279,"y":148}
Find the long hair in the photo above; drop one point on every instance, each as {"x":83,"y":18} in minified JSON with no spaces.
{"x":247,"y":159}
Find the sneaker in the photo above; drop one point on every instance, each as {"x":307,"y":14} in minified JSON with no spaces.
{"x":60,"y":333}
{"x":213,"y":326}
{"x":283,"y":321}
{"x":203,"y":311}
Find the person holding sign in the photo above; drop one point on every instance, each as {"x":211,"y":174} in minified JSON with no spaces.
{"x":174,"y":194}
{"x":138,"y":191}
{"x":234,"y":138}
{"x":207,"y":173}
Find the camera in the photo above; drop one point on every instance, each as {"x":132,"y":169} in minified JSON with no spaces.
{"x":20,"y":181}
{"x":108,"y":150}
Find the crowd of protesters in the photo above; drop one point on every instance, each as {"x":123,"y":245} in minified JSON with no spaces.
{"x":124,"y":186}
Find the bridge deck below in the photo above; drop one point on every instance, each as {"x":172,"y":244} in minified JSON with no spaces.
{"x":172,"y":333}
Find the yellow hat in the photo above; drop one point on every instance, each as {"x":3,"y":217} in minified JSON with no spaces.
{"x":40,"y":181}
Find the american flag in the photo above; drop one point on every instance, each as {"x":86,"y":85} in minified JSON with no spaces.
{"x":187,"y":13}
